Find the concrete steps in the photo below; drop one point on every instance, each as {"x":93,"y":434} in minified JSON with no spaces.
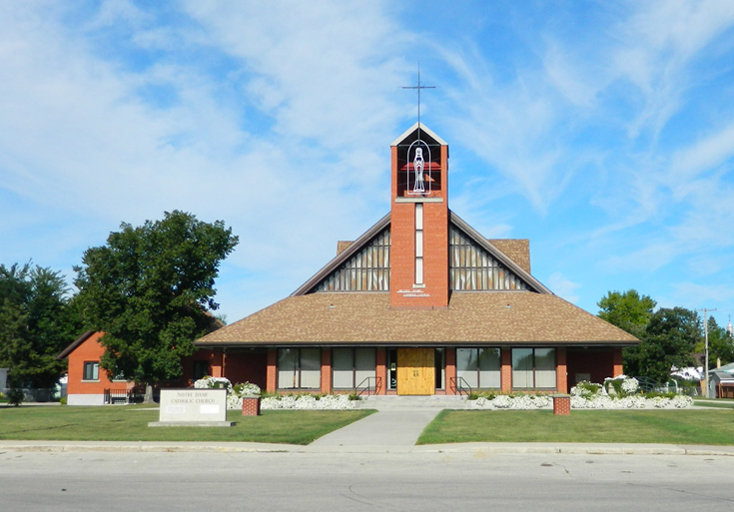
{"x":394,"y":402}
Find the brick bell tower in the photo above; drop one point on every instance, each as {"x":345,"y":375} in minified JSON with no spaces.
{"x":419,"y":277}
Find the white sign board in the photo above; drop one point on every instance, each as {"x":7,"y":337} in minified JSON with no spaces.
{"x":193,"y":405}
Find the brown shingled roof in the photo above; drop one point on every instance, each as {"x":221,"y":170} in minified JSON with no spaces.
{"x":476,"y":318}
{"x":517,"y":249}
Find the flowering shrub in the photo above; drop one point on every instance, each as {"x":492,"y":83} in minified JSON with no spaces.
{"x":587,"y":395}
{"x":247,"y":389}
{"x":587,"y":389}
{"x":214,"y":383}
{"x":340,"y":402}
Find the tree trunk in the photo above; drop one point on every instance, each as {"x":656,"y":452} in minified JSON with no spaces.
{"x":148,"y":394}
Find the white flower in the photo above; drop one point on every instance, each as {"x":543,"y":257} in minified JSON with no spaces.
{"x":502,"y":402}
{"x":630,"y":385}
{"x":659,"y":402}
{"x":479,"y":402}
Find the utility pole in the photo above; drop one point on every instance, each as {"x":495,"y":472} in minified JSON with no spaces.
{"x":706,"y":339}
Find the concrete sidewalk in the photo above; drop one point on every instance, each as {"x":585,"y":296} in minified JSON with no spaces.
{"x":389,"y":431}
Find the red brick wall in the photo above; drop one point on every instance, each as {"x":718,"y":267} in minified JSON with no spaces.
{"x":381,"y":369}
{"x":506,"y":370}
{"x":272,"y":372}
{"x":217,"y":364}
{"x":250,"y":366}
{"x":435,"y":247}
{"x":561,"y":370}
{"x":598,"y":363}
{"x":89,"y":351}
{"x":450,"y":370}
{"x":618,"y":368}
{"x":325,"y":370}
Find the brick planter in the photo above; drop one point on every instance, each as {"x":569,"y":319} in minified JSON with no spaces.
{"x":562,"y":405}
{"x":251,"y":406}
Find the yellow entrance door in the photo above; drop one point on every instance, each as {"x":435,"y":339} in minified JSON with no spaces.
{"x":416,"y":371}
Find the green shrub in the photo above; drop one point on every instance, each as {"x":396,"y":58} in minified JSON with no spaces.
{"x":63,"y":401}
{"x":16,"y":396}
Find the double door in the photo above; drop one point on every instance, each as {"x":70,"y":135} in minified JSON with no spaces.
{"x":416,"y":371}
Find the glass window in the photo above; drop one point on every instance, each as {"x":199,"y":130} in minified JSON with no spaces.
{"x":91,"y":370}
{"x":364,"y":365}
{"x":342,"y":369}
{"x":545,"y":368}
{"x":479,"y":367}
{"x":440,"y":367}
{"x":201,"y":369}
{"x":287,"y":368}
{"x":522,"y":367}
{"x":310,"y":368}
{"x":467,"y":362}
{"x":534,"y":368}
{"x":489,"y":368}
{"x":351,"y":366}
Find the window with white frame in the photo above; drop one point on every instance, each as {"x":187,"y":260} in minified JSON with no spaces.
{"x":534,"y":368}
{"x":479,"y":367}
{"x":299,"y":368}
{"x":351,"y":366}
{"x":91,"y":370}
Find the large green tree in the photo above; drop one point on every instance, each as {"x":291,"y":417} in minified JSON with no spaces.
{"x":669,"y":340}
{"x":37,"y":320}
{"x":150,"y":290}
{"x":629,"y":311}
{"x":721,"y":344}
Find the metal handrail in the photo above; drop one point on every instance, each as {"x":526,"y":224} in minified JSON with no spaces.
{"x":460,"y":386}
{"x":365,"y":386}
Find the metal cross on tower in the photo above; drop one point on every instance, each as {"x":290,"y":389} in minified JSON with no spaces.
{"x":418,"y":87}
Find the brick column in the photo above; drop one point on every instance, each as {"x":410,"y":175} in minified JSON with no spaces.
{"x":381,"y":369}
{"x":617,"y":362}
{"x":561,"y":370}
{"x":506,"y":370}
{"x":450,"y":370}
{"x":216,"y":366}
{"x":272,"y":376}
{"x":562,"y":405}
{"x":326,"y":370}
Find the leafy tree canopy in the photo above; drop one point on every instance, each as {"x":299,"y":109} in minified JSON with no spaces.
{"x":37,"y":320}
{"x":669,"y":340}
{"x":629,"y":310}
{"x":721,"y":345}
{"x":150,"y":289}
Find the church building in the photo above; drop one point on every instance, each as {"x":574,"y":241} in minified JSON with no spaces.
{"x":420,"y":304}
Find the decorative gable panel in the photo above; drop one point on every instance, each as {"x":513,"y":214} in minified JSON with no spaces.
{"x":472,"y":268}
{"x":366,"y":271}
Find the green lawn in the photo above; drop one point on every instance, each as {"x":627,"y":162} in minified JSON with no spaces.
{"x":130,"y":423}
{"x":720,"y":403}
{"x":627,"y":426}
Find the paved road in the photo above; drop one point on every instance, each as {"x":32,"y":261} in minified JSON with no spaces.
{"x":190,"y":481}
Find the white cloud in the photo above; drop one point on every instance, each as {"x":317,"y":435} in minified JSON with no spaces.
{"x":563,"y":287}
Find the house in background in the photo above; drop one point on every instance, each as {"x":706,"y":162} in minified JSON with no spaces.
{"x":420,"y":304}
{"x":88,"y":384}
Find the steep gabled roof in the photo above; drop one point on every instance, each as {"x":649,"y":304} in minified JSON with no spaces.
{"x":532,"y":282}
{"x":517,"y":318}
{"x":74,"y":344}
{"x":424,"y":129}
{"x":342,"y":257}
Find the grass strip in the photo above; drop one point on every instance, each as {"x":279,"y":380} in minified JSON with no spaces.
{"x":714,"y":427}
{"x":130,"y":423}
{"x":721,"y":404}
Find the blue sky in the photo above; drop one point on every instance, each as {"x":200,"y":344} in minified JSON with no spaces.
{"x":602,"y":131}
